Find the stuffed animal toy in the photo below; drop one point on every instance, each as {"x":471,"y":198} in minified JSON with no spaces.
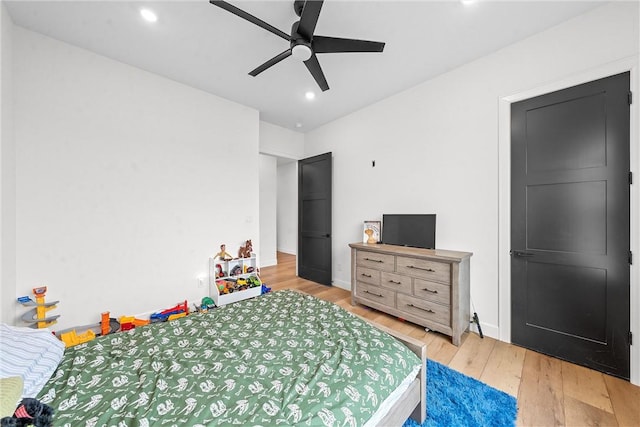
{"x":30,"y":412}
{"x":245,"y":250}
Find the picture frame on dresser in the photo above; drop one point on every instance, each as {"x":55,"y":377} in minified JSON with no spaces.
{"x":372,"y":232}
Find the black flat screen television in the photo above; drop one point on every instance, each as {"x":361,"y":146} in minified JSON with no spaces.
{"x":416,"y":230}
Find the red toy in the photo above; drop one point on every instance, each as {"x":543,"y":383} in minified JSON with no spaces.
{"x":164,"y":315}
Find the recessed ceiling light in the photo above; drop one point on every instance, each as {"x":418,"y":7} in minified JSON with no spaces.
{"x":298,"y":125}
{"x":148,"y":15}
{"x":309,"y":95}
{"x":468,"y":2}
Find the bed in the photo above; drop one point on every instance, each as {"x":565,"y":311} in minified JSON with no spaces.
{"x":283,"y":358}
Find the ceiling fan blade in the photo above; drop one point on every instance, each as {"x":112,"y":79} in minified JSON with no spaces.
{"x":244,"y":15}
{"x":309,"y":18}
{"x":314,"y":68}
{"x":273,"y":61}
{"x":322,"y":44}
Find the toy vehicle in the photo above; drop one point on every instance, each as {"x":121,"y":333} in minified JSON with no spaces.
{"x":164,"y":315}
{"x":73,"y":338}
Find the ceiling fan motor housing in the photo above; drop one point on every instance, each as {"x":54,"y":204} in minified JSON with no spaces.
{"x":300,"y":48}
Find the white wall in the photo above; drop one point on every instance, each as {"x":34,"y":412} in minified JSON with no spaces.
{"x":268,"y":201}
{"x":126,"y":181}
{"x":281,"y":142}
{"x":287,"y":210}
{"x":436,"y":145}
{"x":8,"y":171}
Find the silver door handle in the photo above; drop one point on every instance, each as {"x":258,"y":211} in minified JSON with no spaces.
{"x":521,"y":253}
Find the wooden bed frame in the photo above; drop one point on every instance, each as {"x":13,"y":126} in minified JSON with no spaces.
{"x":413,"y":402}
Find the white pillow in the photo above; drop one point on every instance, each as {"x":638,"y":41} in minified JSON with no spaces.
{"x":34,"y":354}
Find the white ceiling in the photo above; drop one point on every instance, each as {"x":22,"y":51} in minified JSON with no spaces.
{"x":208,"y":48}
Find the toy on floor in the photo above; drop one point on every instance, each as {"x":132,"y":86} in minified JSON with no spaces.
{"x":73,"y":338}
{"x":109,"y":325}
{"x":104,"y":323}
{"x":245,"y":250}
{"x":164,"y":315}
{"x":265,"y":289}
{"x":81,"y":334}
{"x":176,"y":316}
{"x":37,"y":317}
{"x":130,"y":322}
{"x":206,"y":305}
{"x":30,"y":412}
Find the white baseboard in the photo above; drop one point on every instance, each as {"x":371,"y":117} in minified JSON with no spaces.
{"x":342,"y":284}
{"x":288,"y":251}
{"x":268,"y":262}
{"x":487,"y":330}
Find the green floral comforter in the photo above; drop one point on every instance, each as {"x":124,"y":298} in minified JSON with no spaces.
{"x":280,"y":359}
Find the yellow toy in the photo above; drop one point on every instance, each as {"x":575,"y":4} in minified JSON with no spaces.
{"x":140,"y":322}
{"x":38,"y":316}
{"x":72,"y":338}
{"x":177,"y":316}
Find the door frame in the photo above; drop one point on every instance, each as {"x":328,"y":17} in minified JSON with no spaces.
{"x":630,"y":64}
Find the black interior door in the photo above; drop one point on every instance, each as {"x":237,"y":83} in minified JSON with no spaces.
{"x":314,"y":218}
{"x":570,"y":280}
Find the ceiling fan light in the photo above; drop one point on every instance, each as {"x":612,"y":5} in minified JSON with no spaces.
{"x":148,"y":15}
{"x":301,"y":52}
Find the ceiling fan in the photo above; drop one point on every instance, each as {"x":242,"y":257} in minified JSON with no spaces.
{"x":303,"y":44}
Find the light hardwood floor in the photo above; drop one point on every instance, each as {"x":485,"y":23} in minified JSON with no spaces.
{"x":550,"y":392}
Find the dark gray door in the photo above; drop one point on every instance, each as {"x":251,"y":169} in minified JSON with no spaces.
{"x":314,"y":218}
{"x":570,"y":224}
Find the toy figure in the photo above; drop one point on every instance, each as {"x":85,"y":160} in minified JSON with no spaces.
{"x":245,"y":250}
{"x":223,"y":254}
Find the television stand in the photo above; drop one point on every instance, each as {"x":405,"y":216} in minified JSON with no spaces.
{"x":429,"y":287}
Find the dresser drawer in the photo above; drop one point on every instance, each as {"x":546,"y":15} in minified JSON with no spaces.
{"x":425,"y":309}
{"x":396,"y":282}
{"x":424,"y":269}
{"x":368,"y":275}
{"x":376,"y":294}
{"x":376,"y":261}
{"x":432,"y":291}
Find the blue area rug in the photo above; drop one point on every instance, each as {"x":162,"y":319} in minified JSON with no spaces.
{"x":454,"y":399}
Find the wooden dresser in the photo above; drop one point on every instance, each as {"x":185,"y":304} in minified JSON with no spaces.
{"x":424,"y":286}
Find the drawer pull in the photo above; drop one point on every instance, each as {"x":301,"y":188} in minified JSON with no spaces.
{"x":420,"y":308}
{"x":365,"y":275}
{"x":394,"y":282}
{"x":430,"y":270}
{"x":378,"y":295}
{"x":373,"y":260}
{"x":429,"y":290}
